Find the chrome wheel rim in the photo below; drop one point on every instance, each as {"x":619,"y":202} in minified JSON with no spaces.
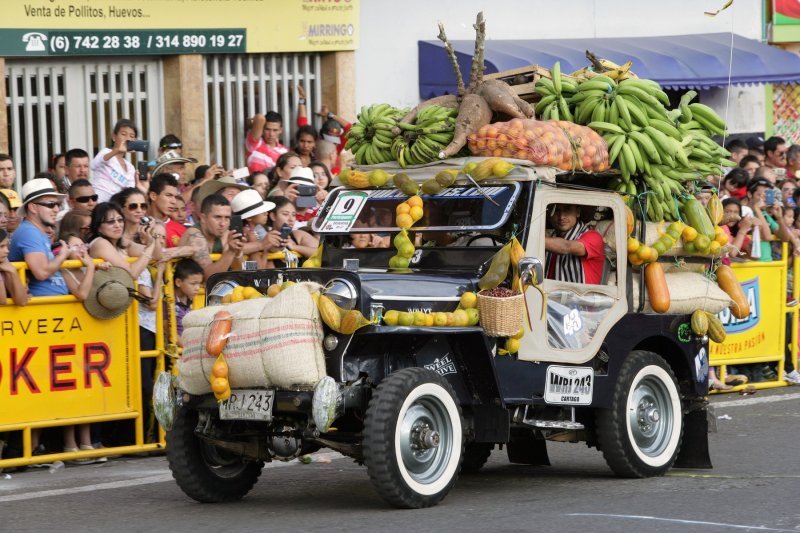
{"x":650,"y":416}
{"x":426,"y":443}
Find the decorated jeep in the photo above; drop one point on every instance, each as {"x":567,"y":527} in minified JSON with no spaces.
{"x":417,"y":394}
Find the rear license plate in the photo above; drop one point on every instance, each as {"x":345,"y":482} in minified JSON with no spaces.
{"x":246,"y":404}
{"x":569,"y":385}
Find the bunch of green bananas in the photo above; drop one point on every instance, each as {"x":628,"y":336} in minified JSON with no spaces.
{"x":421,"y":142}
{"x":370,"y":138}
{"x":556,"y":94}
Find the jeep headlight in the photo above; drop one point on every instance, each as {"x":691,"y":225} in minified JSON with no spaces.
{"x":223,"y":288}
{"x":342,"y":293}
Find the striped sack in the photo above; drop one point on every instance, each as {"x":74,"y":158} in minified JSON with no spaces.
{"x":274,"y":342}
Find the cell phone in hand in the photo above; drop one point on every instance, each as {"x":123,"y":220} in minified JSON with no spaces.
{"x":142,"y":166}
{"x":237,"y":224}
{"x":286,"y":230}
{"x":769,"y":196}
{"x":240,"y":174}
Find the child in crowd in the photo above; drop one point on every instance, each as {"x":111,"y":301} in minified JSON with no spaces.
{"x":188,"y":279}
{"x":10,"y":284}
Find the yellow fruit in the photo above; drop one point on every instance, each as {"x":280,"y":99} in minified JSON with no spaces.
{"x":451,"y":319}
{"x":226,"y":299}
{"x":714,"y":248}
{"x":406,"y":250}
{"x":358,"y":179}
{"x":416,"y":212}
{"x":460,"y":318}
{"x":405,"y":319}
{"x":429,"y":320}
{"x":238,"y":294}
{"x":644,"y":252}
{"x":721,"y":238}
{"x":273,"y":290}
{"x":219,"y":385}
{"x":286,"y":284}
{"x":414,"y":201}
{"x":473,"y":316}
{"x":344,"y":174}
{"x":378,"y":177}
{"x":224,"y":395}
{"x":468,"y":299}
{"x":689,"y":234}
{"x":329,"y":312}
{"x":350,"y":322}
{"x":501,"y":168}
{"x":251,"y":292}
{"x":512,"y":345}
{"x":391,"y":318}
{"x":404,"y":221}
{"x":439,"y":319}
{"x":519,"y":334}
{"x":633,"y":245}
{"x":633,"y":259}
{"x":398,"y":261}
{"x":419,"y":318}
{"x":220,"y":368}
{"x":702,"y":243}
{"x":402,"y":208}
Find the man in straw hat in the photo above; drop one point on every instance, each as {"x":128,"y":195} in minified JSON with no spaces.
{"x":172,"y":162}
{"x":253,"y":209}
{"x":30,"y":242}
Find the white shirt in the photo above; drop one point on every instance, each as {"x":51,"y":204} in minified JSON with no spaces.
{"x":110,"y":177}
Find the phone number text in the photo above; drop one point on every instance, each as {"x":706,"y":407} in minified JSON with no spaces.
{"x":219,"y":41}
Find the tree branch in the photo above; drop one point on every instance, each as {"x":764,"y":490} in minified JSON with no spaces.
{"x":453,"y":60}
{"x":476,"y":72}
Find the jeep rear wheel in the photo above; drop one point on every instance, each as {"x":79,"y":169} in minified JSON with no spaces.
{"x":641,"y":434}
{"x":413,"y":440}
{"x":204,"y":472}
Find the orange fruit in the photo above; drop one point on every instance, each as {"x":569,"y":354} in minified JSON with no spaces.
{"x":468,"y":299}
{"x":220,"y":369}
{"x":219,"y":385}
{"x":414,"y":201}
{"x":416,"y":213}
{"x":721,"y":238}
{"x":633,"y":259}
{"x":402,"y":208}
{"x":404,"y":221}
{"x":644,"y":252}
{"x":633,"y":245}
{"x":460,"y":318}
{"x":429,"y":319}
{"x":714,"y":248}
{"x":689,"y":234}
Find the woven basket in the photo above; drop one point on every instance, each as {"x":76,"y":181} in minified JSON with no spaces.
{"x":501,"y":317}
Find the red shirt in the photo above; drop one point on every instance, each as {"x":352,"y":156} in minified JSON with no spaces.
{"x":261,"y":157}
{"x":175,"y":231}
{"x":303,"y":121}
{"x":592,"y":262}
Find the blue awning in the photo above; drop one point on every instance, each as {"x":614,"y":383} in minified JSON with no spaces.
{"x":675,"y":61}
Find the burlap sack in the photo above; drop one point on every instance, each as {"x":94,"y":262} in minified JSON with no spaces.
{"x":688,"y":291}
{"x":274,"y":342}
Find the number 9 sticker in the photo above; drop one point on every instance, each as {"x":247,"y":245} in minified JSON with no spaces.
{"x":344,"y":212}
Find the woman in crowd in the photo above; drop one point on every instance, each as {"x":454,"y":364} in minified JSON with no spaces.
{"x":279,"y":176}
{"x":737,"y":227}
{"x":76,"y":222}
{"x":259,"y":182}
{"x":734,"y":185}
{"x":5,"y":210}
{"x":750,"y":164}
{"x":298,"y":241}
{"x":10,"y":284}
{"x":305,"y":140}
{"x":323,"y":178}
{"x":108,"y":240}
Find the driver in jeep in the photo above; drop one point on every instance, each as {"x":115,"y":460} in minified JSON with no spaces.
{"x":574,"y":253}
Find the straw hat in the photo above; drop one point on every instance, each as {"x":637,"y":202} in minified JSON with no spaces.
{"x":168,"y":158}
{"x":213,"y":186}
{"x":37,"y":188}
{"x":111,"y":293}
{"x":249,"y":203}
{"x":302,"y":176}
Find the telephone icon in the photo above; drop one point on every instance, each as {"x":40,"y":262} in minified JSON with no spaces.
{"x":35,"y":42}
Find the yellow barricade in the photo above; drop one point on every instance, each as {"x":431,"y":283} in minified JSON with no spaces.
{"x":761,"y":337}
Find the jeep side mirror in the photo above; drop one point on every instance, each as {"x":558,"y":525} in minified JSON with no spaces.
{"x":531,"y":271}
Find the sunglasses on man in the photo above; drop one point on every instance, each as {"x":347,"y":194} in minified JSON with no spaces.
{"x":86,"y":199}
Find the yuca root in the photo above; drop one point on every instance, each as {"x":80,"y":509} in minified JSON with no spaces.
{"x":473,"y":113}
{"x":501,"y":99}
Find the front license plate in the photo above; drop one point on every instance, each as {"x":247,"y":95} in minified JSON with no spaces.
{"x":246,"y":404}
{"x":569,"y":385}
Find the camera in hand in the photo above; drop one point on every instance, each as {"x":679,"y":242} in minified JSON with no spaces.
{"x":286,"y":230}
{"x":142,"y":167}
{"x":145,"y":221}
{"x":137,"y":145}
{"x":306,"y":196}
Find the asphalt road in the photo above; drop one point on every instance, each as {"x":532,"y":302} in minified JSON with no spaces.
{"x":754,"y":485}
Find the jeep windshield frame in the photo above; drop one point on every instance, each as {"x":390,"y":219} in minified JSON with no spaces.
{"x":457,"y":209}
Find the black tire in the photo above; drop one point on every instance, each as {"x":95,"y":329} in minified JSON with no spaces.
{"x":641,"y":434}
{"x":203,"y":472}
{"x":475,"y":456}
{"x":404,"y":403}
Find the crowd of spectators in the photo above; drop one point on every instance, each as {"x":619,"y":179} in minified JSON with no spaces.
{"x":106,"y":214}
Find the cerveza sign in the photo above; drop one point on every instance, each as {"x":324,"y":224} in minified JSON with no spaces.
{"x":36,"y":28}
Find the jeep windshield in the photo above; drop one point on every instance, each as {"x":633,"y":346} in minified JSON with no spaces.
{"x":455,"y":225}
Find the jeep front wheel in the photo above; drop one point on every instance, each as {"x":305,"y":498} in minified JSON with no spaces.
{"x":204,"y":472}
{"x":413,"y":440}
{"x":641,"y":434}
